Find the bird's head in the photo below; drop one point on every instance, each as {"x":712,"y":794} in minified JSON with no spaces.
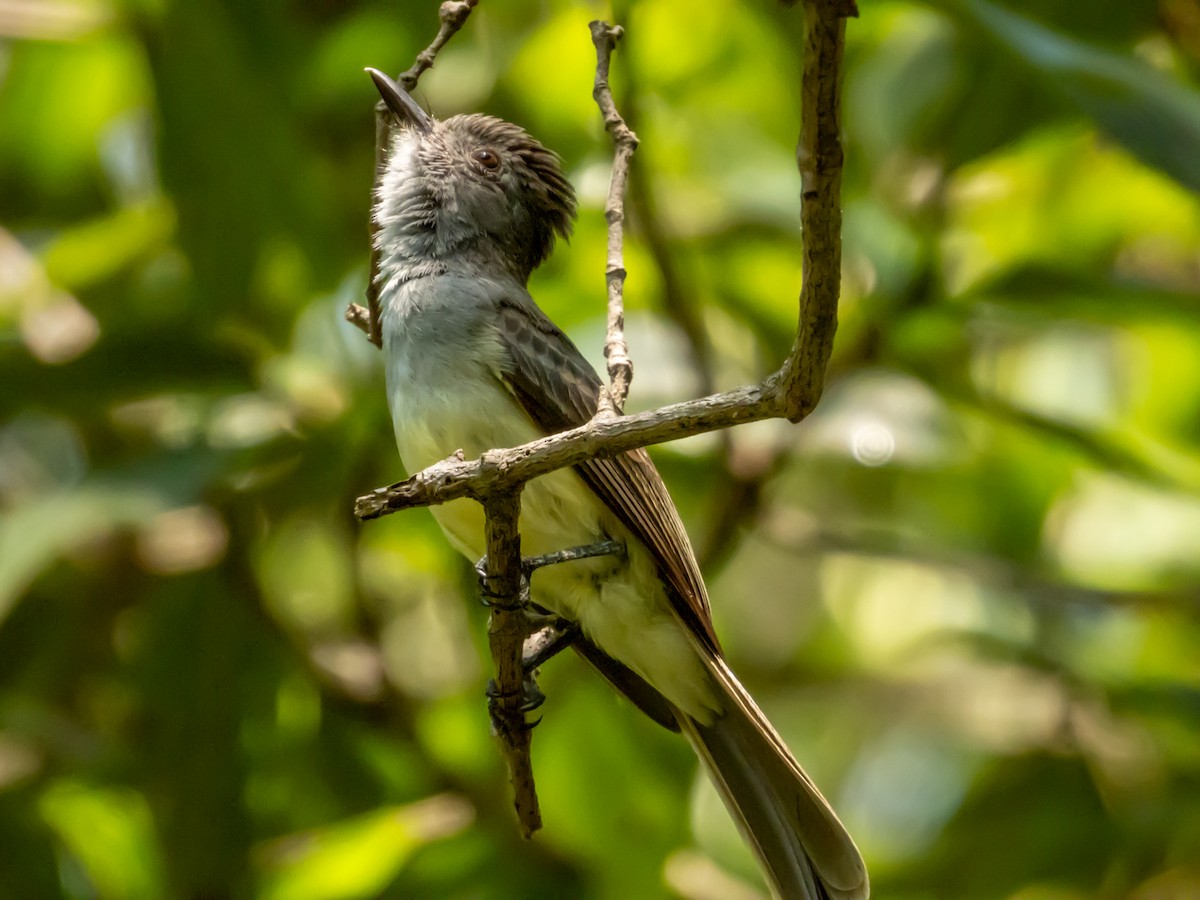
{"x":470,"y":184}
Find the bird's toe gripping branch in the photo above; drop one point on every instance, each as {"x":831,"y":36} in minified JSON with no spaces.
{"x":548,"y":634}
{"x":489,"y":596}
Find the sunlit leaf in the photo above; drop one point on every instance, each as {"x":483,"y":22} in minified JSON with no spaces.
{"x":97,"y":250}
{"x":110,"y":832}
{"x":357,"y":857}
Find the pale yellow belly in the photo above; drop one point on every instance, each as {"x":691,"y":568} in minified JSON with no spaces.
{"x":620,"y":604}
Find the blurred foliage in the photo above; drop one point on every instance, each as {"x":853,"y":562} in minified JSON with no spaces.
{"x":965,"y":590}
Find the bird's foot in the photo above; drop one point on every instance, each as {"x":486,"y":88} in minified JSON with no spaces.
{"x":510,"y":720}
{"x":489,"y":595}
{"x":548,"y":634}
{"x":530,"y":564}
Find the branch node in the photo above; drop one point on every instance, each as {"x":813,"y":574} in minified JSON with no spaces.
{"x":359,"y":317}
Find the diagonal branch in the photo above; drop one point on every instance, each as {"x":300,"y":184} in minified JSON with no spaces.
{"x":452,"y":15}
{"x":603,"y":436}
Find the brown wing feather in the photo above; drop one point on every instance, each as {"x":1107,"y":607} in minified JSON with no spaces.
{"x":560,"y":390}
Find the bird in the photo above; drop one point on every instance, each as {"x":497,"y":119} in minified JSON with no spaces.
{"x":464,"y":210}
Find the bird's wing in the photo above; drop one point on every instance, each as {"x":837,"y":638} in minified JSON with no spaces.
{"x":558,"y":389}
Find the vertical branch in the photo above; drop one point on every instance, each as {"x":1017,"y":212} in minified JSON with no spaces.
{"x":620,"y":367}
{"x":507,"y":630}
{"x":819,"y":158}
{"x":372,"y":321}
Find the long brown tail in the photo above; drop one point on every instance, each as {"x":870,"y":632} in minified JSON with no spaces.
{"x":807,"y":853}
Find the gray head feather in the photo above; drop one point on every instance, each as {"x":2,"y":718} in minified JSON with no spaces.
{"x":471,"y":186}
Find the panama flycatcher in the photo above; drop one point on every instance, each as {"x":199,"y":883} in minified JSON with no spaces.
{"x":466,"y":209}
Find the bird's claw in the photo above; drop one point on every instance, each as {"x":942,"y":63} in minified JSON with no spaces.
{"x":489,"y":595}
{"x":548,"y":633}
{"x":506,"y":720}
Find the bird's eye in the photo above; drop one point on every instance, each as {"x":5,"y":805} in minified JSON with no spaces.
{"x":489,"y":159}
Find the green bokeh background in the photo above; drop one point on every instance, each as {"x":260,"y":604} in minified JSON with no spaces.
{"x":966,"y":589}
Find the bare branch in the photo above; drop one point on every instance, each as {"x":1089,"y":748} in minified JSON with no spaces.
{"x":603,"y":436}
{"x":507,"y":631}
{"x":359,"y":317}
{"x":620,"y":367}
{"x":819,"y":157}
{"x":383,"y":132}
{"x":791,"y":393}
{"x":453,"y":15}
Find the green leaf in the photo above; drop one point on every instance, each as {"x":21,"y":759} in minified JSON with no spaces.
{"x":36,"y":535}
{"x":1155,"y":118}
{"x":110,"y":832}
{"x":360,"y":856}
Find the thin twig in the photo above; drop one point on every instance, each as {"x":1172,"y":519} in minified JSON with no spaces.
{"x":507,"y":631}
{"x":496,"y":478}
{"x":452,"y":15}
{"x":587,"y":551}
{"x":620,"y":367}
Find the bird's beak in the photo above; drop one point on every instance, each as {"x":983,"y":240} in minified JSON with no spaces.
{"x":400,"y":102}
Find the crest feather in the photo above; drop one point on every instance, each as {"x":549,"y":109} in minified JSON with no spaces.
{"x":548,"y":192}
